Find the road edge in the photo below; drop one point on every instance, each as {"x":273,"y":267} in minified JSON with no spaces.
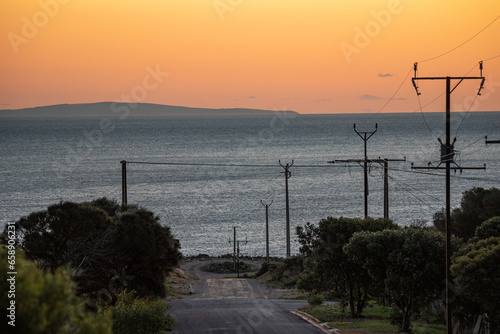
{"x":323,"y":326}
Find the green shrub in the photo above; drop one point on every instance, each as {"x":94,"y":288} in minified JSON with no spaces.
{"x":92,"y":323}
{"x":227,"y":267}
{"x":140,"y":316}
{"x":288,"y":272}
{"x":263,"y":269}
{"x":316,"y":300}
{"x":45,"y":302}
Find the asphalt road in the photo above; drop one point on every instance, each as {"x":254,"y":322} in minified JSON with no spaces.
{"x":222,"y":306}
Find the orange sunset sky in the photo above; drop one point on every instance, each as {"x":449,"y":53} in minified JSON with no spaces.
{"x":318,"y":56}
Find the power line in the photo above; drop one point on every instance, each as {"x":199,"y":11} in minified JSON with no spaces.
{"x":223,"y":164}
{"x":198,"y":164}
{"x":406,"y":186}
{"x":462,"y":44}
{"x":492,"y":57}
{"x":422,"y":113}
{"x":475,"y":96}
{"x":397,"y":90}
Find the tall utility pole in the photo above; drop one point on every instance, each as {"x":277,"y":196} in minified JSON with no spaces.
{"x":385,"y":163}
{"x":124,"y":182}
{"x":365,"y":136}
{"x":448,"y":158}
{"x":267,"y":228}
{"x":288,"y":174}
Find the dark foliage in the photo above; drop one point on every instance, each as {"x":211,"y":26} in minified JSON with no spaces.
{"x":477,"y":281}
{"x":327,"y":267}
{"x":477,"y":205}
{"x":405,"y":261}
{"x":111,"y":248}
{"x":489,"y":228}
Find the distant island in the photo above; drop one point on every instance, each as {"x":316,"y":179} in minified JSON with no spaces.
{"x":106,"y":109}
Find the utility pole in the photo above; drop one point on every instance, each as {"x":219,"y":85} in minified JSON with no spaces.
{"x":238,"y":257}
{"x":267,"y":228}
{"x":385,"y":163}
{"x":386,"y":183}
{"x":448,"y":158}
{"x":124,"y":182}
{"x":288,"y":174}
{"x":365,"y":135}
{"x":237,"y":253}
{"x":234,"y":245}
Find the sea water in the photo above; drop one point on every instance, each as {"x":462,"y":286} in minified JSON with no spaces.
{"x":220,"y":168}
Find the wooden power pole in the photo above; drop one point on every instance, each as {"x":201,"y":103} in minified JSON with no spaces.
{"x":267,"y":228}
{"x":124,"y":182}
{"x":288,"y":174}
{"x":365,"y":136}
{"x":448,"y":159}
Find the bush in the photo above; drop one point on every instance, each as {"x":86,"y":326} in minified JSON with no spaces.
{"x":263,"y":269}
{"x":288,"y":272}
{"x":316,"y":300}
{"x":46,"y":302}
{"x":140,"y":316}
{"x":489,"y":228}
{"x":227,"y":267}
{"x":266,"y":267}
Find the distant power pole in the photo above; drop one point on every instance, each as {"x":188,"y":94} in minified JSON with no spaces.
{"x":386,"y":183}
{"x":234,"y":245}
{"x":288,"y":174}
{"x":385,"y":163}
{"x":124,"y":182}
{"x":267,"y":228}
{"x":447,"y":157}
{"x":365,"y":136}
{"x":236,"y":254}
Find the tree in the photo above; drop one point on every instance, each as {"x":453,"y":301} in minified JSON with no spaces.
{"x":410,"y":262}
{"x":477,"y":279}
{"x":327,"y":267}
{"x":110,"y":247}
{"x":49,"y":236}
{"x":44,"y":302}
{"x":477,"y":205}
{"x":489,"y":228}
{"x":147,"y":250}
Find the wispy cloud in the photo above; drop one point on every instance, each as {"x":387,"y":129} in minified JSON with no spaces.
{"x":5,"y":105}
{"x":399,"y":99}
{"x":369,"y":97}
{"x":251,"y":97}
{"x":323,"y":100}
{"x":382,"y":75}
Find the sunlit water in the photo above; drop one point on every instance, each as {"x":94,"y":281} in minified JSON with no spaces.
{"x":44,"y":161}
